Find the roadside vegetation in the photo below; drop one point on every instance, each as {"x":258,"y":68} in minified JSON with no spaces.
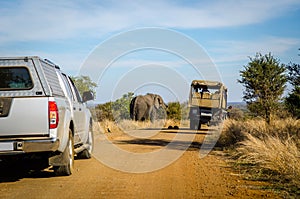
{"x":263,"y":141}
{"x":267,"y":152}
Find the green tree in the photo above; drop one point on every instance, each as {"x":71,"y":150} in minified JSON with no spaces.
{"x":235,"y":114}
{"x":177,"y":111}
{"x":174,"y":111}
{"x":264,"y":81}
{"x":293,"y":74}
{"x":84,"y":83}
{"x":116,"y":110}
{"x":292,"y":101}
{"x":104,"y":111}
{"x":185,"y":110}
{"x":121,"y":106}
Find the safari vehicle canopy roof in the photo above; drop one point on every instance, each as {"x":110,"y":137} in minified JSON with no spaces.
{"x":216,"y":99}
{"x":207,"y":83}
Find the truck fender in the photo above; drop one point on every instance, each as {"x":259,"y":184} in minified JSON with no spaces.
{"x":87,"y":125}
{"x":60,"y":159}
{"x":64,"y":136}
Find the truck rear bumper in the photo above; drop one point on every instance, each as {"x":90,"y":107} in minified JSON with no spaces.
{"x":10,"y":147}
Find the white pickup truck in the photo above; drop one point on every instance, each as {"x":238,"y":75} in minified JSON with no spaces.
{"x":42,"y":115}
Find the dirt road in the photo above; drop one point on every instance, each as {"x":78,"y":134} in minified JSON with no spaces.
{"x":187,"y":177}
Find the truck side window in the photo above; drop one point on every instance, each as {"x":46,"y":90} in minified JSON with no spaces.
{"x":69,"y":90}
{"x":76,"y":91}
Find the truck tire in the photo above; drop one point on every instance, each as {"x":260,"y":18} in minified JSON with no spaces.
{"x":199,"y":126}
{"x":87,"y":153}
{"x":68,"y":156}
{"x":195,"y":125}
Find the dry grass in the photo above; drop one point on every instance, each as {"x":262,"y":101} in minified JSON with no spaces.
{"x":273,"y":159}
{"x":235,"y":131}
{"x":108,"y":126}
{"x":272,"y":152}
{"x":231,"y":133}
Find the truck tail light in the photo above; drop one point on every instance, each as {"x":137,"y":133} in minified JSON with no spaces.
{"x":53,"y":115}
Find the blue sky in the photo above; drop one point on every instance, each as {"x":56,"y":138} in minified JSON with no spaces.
{"x":67,"y":32}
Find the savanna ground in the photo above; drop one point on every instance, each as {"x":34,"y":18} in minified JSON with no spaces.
{"x":187,"y":177}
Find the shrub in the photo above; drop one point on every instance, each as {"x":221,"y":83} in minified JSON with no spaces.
{"x":177,"y":111}
{"x":104,"y":111}
{"x":231,"y":133}
{"x":174,"y":111}
{"x":236,"y":114}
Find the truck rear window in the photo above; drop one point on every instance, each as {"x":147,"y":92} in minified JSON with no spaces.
{"x":15,"y":78}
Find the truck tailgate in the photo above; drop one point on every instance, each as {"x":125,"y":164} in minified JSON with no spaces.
{"x":27,"y":116}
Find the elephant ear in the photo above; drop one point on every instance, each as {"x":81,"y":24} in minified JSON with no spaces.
{"x":156,"y":102}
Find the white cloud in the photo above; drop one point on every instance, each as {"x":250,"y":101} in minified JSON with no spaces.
{"x":237,"y":51}
{"x":32,"y":20}
{"x":230,"y":56}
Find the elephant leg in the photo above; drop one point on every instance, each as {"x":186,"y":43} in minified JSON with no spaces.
{"x":152,"y":115}
{"x":140,"y":116}
{"x":152,"y":118}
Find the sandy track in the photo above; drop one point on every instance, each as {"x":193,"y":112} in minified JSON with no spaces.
{"x":187,"y":177}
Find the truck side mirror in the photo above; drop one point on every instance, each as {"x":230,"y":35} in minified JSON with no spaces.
{"x":87,"y":96}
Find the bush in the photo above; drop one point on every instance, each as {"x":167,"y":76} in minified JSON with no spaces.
{"x":174,"y":111}
{"x":236,"y":114}
{"x":104,"y":111}
{"x":231,"y":133}
{"x":116,"y":110}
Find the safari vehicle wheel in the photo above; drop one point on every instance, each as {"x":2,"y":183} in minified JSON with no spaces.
{"x":87,"y":153}
{"x":195,"y":125}
{"x":68,"y":155}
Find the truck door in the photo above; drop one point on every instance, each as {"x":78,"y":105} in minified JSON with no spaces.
{"x":80,"y":121}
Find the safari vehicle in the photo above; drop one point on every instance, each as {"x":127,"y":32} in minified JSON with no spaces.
{"x":42,"y":115}
{"x":207,"y":103}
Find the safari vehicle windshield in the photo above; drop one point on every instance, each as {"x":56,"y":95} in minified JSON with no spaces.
{"x":206,"y":89}
{"x":15,"y":78}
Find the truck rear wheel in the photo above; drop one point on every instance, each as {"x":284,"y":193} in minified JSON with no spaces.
{"x":68,"y":158}
{"x":195,"y":125}
{"x":87,"y":153}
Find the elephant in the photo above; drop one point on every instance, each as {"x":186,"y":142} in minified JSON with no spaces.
{"x":144,"y":107}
